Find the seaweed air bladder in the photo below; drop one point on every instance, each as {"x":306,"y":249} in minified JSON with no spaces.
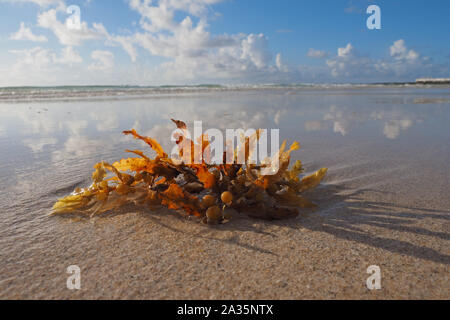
{"x":211,"y":192}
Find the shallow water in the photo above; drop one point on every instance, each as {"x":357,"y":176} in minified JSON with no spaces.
{"x":391,"y":140}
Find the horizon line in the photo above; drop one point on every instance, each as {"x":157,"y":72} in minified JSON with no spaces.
{"x":212,"y":85}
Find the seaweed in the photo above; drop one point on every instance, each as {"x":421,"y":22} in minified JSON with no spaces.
{"x":213,"y":193}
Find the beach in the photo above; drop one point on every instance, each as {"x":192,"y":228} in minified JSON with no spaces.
{"x":384,"y":201}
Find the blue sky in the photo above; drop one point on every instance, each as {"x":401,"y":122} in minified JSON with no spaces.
{"x":221,"y":41}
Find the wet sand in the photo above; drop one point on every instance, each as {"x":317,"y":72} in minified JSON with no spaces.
{"x":385,"y":202}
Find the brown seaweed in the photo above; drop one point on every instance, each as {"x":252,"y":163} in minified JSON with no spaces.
{"x":210,"y":192}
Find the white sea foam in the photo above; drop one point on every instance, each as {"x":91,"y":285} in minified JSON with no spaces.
{"x":67,"y":93}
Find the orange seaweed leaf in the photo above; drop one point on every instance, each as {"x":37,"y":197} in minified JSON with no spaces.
{"x":151,"y":142}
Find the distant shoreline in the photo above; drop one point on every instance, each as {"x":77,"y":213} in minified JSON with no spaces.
{"x":97,"y":93}
{"x":433,"y":81}
{"x":422,"y":81}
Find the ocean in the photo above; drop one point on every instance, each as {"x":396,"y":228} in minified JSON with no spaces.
{"x":66,"y":93}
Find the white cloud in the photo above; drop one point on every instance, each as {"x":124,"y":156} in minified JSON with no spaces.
{"x":67,"y":36}
{"x":349,"y":63}
{"x":41,"y":3}
{"x":126,"y":42}
{"x":346,"y":51}
{"x":177,"y":31}
{"x":279,"y":63}
{"x":406,"y":61}
{"x":160,"y":17}
{"x":193,"y":52}
{"x":104,"y":61}
{"x":400,"y":52}
{"x":25,"y":33}
{"x":40,"y":66}
{"x":255,"y":49}
{"x":39,"y":58}
{"x":402,"y":63}
{"x":317,"y":54}
{"x":127,"y":45}
{"x":68,"y":56}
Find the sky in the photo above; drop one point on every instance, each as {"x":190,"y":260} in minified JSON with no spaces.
{"x":178,"y":42}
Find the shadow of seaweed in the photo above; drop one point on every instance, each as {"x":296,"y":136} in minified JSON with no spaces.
{"x":205,"y":231}
{"x":348,"y":215}
{"x":343,"y":213}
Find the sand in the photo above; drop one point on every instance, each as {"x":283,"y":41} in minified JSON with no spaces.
{"x":137,"y":254}
{"x":383,"y":203}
